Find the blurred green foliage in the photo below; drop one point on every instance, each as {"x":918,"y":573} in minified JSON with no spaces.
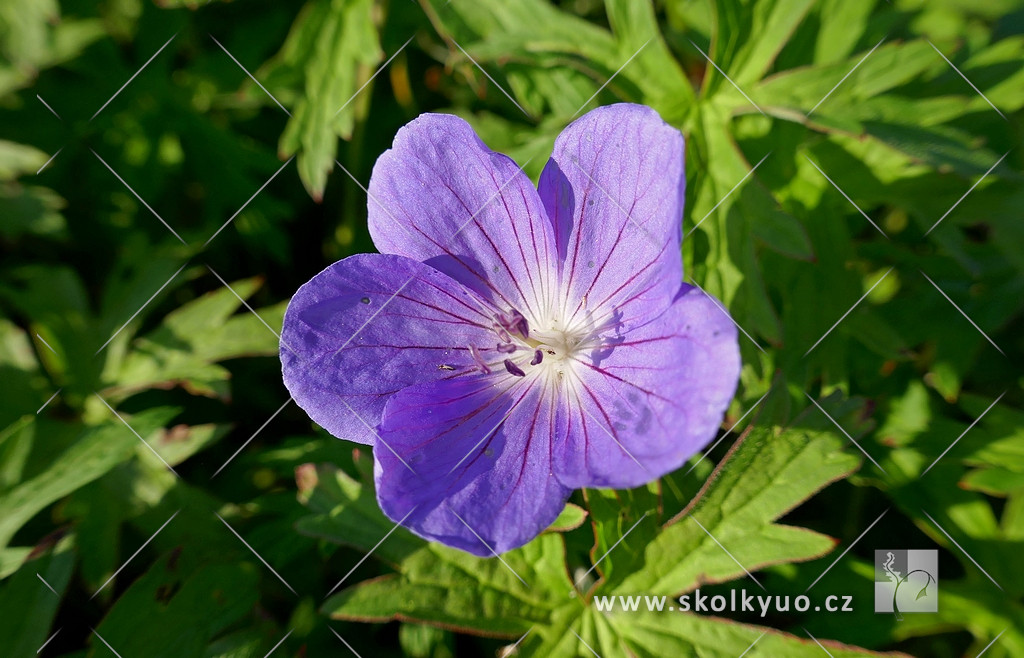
{"x":159,"y":494}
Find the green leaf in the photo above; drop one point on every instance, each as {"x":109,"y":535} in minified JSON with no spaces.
{"x":17,"y":159}
{"x":97,"y":450}
{"x":570,"y":518}
{"x":769,"y":472}
{"x":184,"y":349}
{"x":651,"y":635}
{"x":451,"y":589}
{"x":347,"y":513}
{"x":338,"y":37}
{"x":27,"y":607}
{"x":173,"y":611}
{"x":748,"y":36}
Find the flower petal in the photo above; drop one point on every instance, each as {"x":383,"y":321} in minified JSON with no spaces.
{"x":369,"y":326}
{"x":467,"y":462}
{"x":614,"y":191}
{"x":650,"y":404}
{"x":439,"y":195}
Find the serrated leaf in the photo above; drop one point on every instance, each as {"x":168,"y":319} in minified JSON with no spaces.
{"x":345,"y":40}
{"x":766,"y":474}
{"x":449,"y":588}
{"x":651,"y":635}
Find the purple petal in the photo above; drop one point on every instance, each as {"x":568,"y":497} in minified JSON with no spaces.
{"x":467,"y":462}
{"x":614,"y":191}
{"x":367,"y":327}
{"x":442,"y":197}
{"x":650,"y":404}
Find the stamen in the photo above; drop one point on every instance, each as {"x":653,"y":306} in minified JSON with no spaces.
{"x":514,"y":369}
{"x":506,"y":348}
{"x":538,"y":356}
{"x":514,"y":322}
{"x":479,"y":360}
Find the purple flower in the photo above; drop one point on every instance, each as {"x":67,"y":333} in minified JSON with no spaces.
{"x":511,"y":344}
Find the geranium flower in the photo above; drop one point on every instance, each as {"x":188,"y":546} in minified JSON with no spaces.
{"x":511,"y":344}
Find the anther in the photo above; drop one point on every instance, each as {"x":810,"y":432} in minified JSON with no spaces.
{"x":506,"y":348}
{"x":538,"y":356}
{"x":514,"y":369}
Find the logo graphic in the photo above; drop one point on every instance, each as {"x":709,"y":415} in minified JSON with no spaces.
{"x":906,"y":581}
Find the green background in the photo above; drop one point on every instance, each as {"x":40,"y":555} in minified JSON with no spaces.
{"x":159,"y":495}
